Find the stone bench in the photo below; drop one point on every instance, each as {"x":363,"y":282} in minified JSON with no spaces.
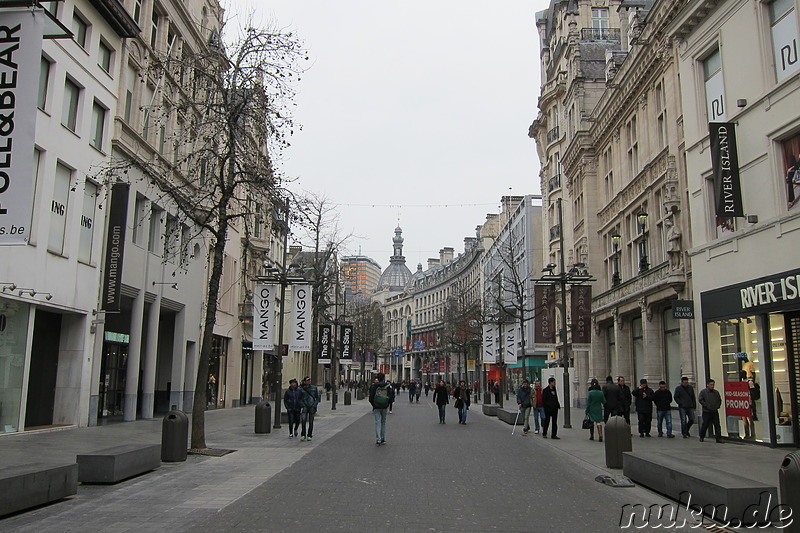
{"x":508,"y":416}
{"x":709,"y":487}
{"x":120,"y":462}
{"x":490,"y":409}
{"x":30,"y":485}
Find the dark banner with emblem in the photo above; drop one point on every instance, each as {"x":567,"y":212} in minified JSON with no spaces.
{"x":544,"y":323}
{"x":725,"y":165}
{"x":346,"y":342}
{"x":115,"y":247}
{"x":325,"y":333}
{"x":581,"y":314}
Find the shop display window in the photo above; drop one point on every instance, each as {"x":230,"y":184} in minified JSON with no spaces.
{"x":781,"y":390}
{"x":13,"y":340}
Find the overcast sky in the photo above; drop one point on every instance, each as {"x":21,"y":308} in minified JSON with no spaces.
{"x":414,"y":110}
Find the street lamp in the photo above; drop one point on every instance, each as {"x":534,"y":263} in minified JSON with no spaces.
{"x":615,"y":240}
{"x":641,"y":217}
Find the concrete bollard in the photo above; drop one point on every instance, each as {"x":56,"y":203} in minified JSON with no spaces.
{"x":617,"y":440}
{"x":263,"y":417}
{"x":789,"y":476}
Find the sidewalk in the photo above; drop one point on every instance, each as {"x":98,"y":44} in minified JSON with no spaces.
{"x":759,"y":463}
{"x":176,"y":495}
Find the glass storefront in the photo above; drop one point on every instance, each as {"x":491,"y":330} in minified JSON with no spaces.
{"x":13,"y":342}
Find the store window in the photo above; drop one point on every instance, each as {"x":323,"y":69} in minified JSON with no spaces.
{"x":791,"y":170}
{"x":736,"y":361}
{"x":672,"y":349}
{"x":785,"y":34}
{"x":13,"y":340}
{"x":637,"y":338}
{"x":782,"y":389}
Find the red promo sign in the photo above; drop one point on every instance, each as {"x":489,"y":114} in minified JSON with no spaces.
{"x":737,"y":399}
{"x":425,"y":367}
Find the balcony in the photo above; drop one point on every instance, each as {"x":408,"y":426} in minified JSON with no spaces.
{"x":552,"y":135}
{"x":605,"y":35}
{"x":554,"y":183}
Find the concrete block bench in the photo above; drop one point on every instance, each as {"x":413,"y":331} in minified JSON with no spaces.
{"x":121,"y":462}
{"x":709,"y":487}
{"x":508,"y":416}
{"x":490,"y":409}
{"x":27,"y":486}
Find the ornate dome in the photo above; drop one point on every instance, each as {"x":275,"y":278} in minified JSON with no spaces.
{"x":397,"y":275}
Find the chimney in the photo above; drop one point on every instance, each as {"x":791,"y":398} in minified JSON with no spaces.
{"x":294,"y":250}
{"x":446,"y":255}
{"x":432,"y":262}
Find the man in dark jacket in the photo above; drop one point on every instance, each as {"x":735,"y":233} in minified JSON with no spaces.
{"x":685,"y":398}
{"x":291,"y":401}
{"x":662,"y":398}
{"x":711,"y":401}
{"x":380,"y":405}
{"x":626,"y":399}
{"x":309,"y":400}
{"x":644,"y":407}
{"x":551,"y":407}
{"x":524,"y":404}
{"x":613,"y":399}
{"x":461,"y":394}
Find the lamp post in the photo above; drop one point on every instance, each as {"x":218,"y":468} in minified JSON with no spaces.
{"x":641,"y":217}
{"x":615,"y":240}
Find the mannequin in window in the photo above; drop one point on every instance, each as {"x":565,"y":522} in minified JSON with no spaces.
{"x":749,"y":368}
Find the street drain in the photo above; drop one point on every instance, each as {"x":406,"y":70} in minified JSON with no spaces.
{"x":213,"y":452}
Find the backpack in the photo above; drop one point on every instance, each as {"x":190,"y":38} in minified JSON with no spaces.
{"x":381,"y":399}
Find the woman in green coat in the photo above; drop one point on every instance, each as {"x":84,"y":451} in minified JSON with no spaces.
{"x":594,"y":409}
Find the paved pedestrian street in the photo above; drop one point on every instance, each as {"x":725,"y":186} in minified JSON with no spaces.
{"x":428,"y":477}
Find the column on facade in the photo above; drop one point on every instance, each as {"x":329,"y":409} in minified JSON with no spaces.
{"x":134,"y":357}
{"x":653,"y":347}
{"x":598,"y":355}
{"x":150,"y":358}
{"x":688,"y":359}
{"x":178,"y":370}
{"x":99,"y":328}
{"x":582,"y":377}
{"x":622,"y":362}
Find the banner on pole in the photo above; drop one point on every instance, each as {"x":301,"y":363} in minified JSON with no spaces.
{"x":510,"y":346}
{"x":725,"y":167}
{"x":581,"y":316}
{"x":324,"y":356}
{"x":115,"y":247}
{"x":345,"y":344}
{"x":490,"y":343}
{"x":264,"y":317}
{"x":300,"y":340}
{"x":544,"y":324}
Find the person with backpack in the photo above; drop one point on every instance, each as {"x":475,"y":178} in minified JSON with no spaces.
{"x":291,"y":400}
{"x":309,"y":399}
{"x":381,"y":396}
{"x":441,"y":398}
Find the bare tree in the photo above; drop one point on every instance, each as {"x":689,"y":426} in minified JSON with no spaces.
{"x":462,"y":324}
{"x":218,"y":119}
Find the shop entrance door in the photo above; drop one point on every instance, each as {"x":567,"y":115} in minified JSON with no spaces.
{"x":113,"y":372}
{"x":793,"y":356}
{"x":44,"y":370}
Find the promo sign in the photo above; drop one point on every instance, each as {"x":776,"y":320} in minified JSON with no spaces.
{"x":725,"y":165}
{"x":300,"y":340}
{"x":115,"y":247}
{"x":737,"y":399}
{"x":264,"y":317}
{"x":324,"y":356}
{"x":20,"y":57}
{"x":489,"y":343}
{"x":346,"y":342}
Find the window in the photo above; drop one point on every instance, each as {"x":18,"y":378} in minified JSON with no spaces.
{"x":137,"y":11}
{"x":130,"y":86}
{"x":87,"y":222}
{"x":98,"y":125}
{"x":661,"y":115}
{"x":156,"y":214}
{"x":607,"y":162}
{"x":105,"y":56}
{"x":715,"y":90}
{"x":69,"y":113}
{"x":783,"y":26}
{"x":139,"y":214}
{"x":631,"y":137}
{"x":637,"y":345}
{"x":58,"y":209}
{"x":147,"y":104}
{"x":791,"y":175}
{"x":51,"y":7}
{"x":154,"y":30}
{"x":600,"y":25}
{"x":44,"y":82}
{"x":172,"y":237}
{"x":80,"y":29}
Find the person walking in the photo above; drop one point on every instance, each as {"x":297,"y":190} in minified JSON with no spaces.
{"x":461,"y":394}
{"x":662,"y":398}
{"x":687,"y":403}
{"x":441,"y":399}
{"x":644,"y":407}
{"x":594,"y":409}
{"x":525,"y":400}
{"x":381,"y":395}
{"x":291,"y":401}
{"x":538,"y":409}
{"x":626,"y":399}
{"x":496,"y":390}
{"x":309,"y":400}
{"x":551,"y":406}
{"x":711,"y":401}
{"x":417,"y":392}
{"x":613,"y":396}
{"x":427,"y":388}
{"x":412,"y":391}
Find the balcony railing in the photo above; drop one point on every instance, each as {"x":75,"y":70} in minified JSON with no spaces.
{"x":553,"y":183}
{"x":552,"y":135}
{"x":608,"y":35}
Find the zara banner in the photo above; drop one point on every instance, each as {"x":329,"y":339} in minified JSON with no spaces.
{"x":510,"y":345}
{"x":264,"y":317}
{"x":490,"y":341}
{"x":300,"y":340}
{"x":725,"y":166}
{"x":20,"y":58}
